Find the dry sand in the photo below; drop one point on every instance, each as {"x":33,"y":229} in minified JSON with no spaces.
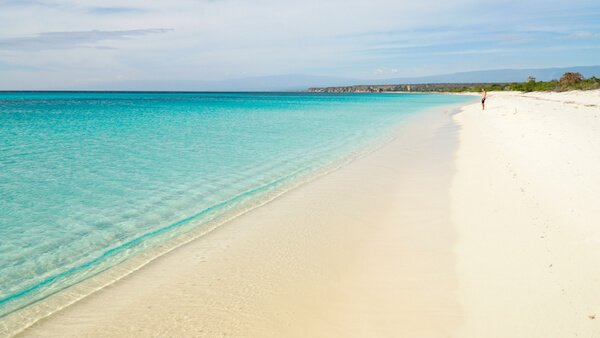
{"x":526,"y":206}
{"x":479,"y":224}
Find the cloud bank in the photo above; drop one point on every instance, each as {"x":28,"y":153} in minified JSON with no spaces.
{"x":54,"y":44}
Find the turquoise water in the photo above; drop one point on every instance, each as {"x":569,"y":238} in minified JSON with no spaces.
{"x":88,"y":180}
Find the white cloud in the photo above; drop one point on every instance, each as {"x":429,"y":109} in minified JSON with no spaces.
{"x":212,"y":38}
{"x":582,"y":35}
{"x":74,"y":39}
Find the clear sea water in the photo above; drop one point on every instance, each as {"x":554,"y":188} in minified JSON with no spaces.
{"x":88,"y":180}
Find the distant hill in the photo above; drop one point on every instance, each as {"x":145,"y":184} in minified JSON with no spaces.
{"x":294,"y":82}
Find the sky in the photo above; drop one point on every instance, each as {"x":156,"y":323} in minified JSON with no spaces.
{"x":67,"y":44}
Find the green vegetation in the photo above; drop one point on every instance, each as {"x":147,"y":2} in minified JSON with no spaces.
{"x":569,"y":81}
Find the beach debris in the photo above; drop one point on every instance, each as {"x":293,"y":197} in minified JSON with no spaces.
{"x":592,"y":316}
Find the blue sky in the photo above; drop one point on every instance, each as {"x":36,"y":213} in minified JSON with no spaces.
{"x":58,"y":44}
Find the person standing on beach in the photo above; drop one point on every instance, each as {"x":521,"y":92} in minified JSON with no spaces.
{"x":483,"y":97}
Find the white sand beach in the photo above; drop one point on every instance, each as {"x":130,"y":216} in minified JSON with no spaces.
{"x":525,"y":206}
{"x":474,"y":224}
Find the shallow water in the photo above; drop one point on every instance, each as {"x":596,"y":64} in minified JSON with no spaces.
{"x":87,"y":180}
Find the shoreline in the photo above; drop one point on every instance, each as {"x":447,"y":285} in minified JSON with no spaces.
{"x":243,"y":225}
{"x":469,"y":224}
{"x":21,"y":319}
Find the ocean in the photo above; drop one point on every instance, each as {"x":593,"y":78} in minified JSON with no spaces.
{"x":90,"y":180}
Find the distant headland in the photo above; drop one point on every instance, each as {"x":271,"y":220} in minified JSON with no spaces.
{"x":568,"y":81}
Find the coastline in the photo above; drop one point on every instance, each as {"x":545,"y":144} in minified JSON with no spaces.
{"x":468,"y":224}
{"x":279,"y":270}
{"x":59,"y":297}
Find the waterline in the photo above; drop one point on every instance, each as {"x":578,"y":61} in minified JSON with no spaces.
{"x":257,"y":147}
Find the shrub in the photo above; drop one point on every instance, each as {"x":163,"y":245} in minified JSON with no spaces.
{"x":570,"y":79}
